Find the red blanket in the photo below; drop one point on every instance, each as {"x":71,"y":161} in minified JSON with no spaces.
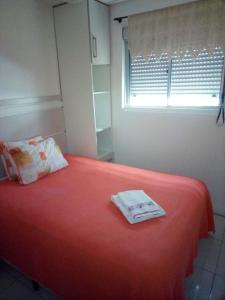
{"x":65,"y":232}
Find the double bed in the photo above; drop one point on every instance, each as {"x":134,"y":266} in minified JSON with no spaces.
{"x":65,"y":232}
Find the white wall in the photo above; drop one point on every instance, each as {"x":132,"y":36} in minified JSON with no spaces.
{"x":29,"y":78}
{"x":28,"y":61}
{"x":186,"y":142}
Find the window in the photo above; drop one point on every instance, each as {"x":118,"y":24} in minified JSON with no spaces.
{"x":176,"y":82}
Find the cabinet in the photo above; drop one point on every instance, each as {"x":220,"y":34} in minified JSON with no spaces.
{"x":99,"y":32}
{"x":82,"y":34}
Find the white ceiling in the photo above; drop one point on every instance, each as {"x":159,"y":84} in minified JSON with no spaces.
{"x":108,"y":2}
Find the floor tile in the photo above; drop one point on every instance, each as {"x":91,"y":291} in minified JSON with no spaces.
{"x":12,"y":281}
{"x":219,"y":226}
{"x":6,"y":280}
{"x":220,"y":270}
{"x":208,"y":252}
{"x":26,"y":281}
{"x":13,"y":271}
{"x":19,"y":292}
{"x":198,"y":285}
{"x":46,"y":294}
{"x":218,"y":291}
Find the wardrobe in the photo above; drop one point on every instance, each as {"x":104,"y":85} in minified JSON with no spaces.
{"x":83,"y":46}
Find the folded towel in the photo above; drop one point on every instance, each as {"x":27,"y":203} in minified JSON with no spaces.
{"x":137,"y":213}
{"x":144,"y":211}
{"x":134,"y":198}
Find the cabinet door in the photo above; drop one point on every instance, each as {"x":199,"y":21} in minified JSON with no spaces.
{"x":72,"y":34}
{"x":99,"y":33}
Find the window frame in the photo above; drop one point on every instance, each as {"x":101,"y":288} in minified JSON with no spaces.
{"x":126,"y":103}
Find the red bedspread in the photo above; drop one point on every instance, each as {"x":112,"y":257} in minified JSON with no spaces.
{"x":65,"y":232}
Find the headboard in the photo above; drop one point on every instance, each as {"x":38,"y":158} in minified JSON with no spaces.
{"x":38,"y":116}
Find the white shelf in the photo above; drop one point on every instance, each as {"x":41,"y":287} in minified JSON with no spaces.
{"x":105,"y":155}
{"x":101,"y":92}
{"x":102,"y":129}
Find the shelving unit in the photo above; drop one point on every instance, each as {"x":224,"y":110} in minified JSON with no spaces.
{"x":102,"y":109}
{"x":104,"y":141}
{"x":101,"y":93}
{"x":105,"y":155}
{"x":102,"y":129}
{"x":85,"y":80}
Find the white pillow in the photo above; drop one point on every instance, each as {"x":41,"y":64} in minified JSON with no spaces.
{"x":10,"y":170}
{"x":34,"y":161}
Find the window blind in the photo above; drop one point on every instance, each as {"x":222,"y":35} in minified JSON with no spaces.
{"x":183,"y":81}
{"x":148,"y":76}
{"x":198,"y":76}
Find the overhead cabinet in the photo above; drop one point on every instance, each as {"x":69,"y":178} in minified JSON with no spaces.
{"x":82,"y":33}
{"x":99,"y":33}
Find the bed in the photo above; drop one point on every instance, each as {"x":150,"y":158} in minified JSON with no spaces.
{"x":65,"y":232}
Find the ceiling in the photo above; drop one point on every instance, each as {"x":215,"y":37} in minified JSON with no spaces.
{"x":108,"y":2}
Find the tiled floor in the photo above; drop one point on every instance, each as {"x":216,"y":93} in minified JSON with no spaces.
{"x":207,"y":282}
{"x":16,"y":286}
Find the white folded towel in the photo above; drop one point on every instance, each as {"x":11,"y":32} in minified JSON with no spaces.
{"x":134,"y":199}
{"x":136,"y":206}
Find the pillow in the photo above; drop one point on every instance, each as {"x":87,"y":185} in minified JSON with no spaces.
{"x":34,"y":161}
{"x":5,"y":147}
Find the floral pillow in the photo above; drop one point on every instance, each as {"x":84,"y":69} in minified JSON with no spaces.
{"x":34,"y":161}
{"x":5,"y":147}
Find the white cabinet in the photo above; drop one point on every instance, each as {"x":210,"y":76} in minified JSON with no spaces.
{"x":99,"y":33}
{"x":85,"y":82}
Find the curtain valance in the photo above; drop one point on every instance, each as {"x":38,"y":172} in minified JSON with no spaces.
{"x":189,"y":27}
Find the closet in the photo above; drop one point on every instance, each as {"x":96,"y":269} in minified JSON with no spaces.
{"x":83,"y":44}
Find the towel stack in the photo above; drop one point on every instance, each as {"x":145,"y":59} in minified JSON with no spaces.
{"x":136,"y":206}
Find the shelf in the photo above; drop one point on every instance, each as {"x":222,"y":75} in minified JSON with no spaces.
{"x":102,"y":129}
{"x":106,"y":155}
{"x":101,"y":92}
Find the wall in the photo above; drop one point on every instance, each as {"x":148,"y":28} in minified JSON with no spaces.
{"x":28,"y":62}
{"x":30,"y":101}
{"x":181,"y":142}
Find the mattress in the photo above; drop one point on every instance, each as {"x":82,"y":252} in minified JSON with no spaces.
{"x":65,"y":232}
